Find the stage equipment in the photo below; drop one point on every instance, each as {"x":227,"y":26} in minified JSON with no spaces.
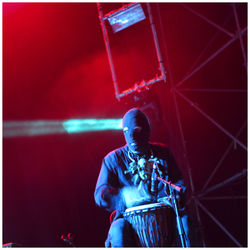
{"x":125,"y":16}
{"x":177,"y":92}
{"x":118,"y":21}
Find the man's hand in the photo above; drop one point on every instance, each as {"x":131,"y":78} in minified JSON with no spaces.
{"x":135,"y":196}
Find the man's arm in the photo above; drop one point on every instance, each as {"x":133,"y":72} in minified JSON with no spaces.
{"x":106,"y":191}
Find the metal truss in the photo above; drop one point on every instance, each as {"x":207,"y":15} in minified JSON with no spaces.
{"x":177,"y":90}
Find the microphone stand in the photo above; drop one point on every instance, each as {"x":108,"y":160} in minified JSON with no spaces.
{"x":178,"y":219}
{"x":173,"y":187}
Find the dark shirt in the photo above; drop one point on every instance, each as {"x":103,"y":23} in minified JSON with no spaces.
{"x":115,"y":175}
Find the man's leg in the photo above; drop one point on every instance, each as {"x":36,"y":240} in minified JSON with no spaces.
{"x":120,"y":234}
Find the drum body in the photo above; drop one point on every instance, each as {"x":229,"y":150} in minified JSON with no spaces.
{"x":154,"y":224}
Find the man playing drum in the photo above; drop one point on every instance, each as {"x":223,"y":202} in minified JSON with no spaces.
{"x":127,"y":184}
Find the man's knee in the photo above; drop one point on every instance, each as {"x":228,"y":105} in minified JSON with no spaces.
{"x":120,"y":234}
{"x":118,"y":226}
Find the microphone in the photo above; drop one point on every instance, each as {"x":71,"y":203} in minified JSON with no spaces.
{"x":154,"y":181}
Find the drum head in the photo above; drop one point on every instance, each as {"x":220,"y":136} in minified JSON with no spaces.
{"x":146,"y":207}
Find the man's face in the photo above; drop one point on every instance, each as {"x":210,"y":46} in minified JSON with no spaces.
{"x":136,"y":130}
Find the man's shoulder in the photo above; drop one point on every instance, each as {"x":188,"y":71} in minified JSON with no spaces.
{"x":159,"y":147}
{"x":116,"y":152}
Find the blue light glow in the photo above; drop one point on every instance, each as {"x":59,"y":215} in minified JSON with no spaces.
{"x":31,"y":128}
{"x":35,"y":128}
{"x":83,"y":125}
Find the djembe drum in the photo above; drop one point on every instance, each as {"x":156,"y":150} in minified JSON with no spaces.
{"x":154,"y":224}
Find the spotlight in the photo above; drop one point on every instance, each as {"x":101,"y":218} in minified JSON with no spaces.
{"x":125,"y":16}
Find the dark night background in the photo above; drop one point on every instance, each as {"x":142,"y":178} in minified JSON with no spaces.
{"x":55,"y":67}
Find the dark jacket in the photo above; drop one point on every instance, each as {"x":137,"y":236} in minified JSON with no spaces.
{"x":113,"y":176}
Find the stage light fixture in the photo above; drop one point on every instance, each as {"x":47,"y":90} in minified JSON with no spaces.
{"x":125,"y":16}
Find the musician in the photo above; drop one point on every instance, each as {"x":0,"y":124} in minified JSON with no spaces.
{"x":125,"y":179}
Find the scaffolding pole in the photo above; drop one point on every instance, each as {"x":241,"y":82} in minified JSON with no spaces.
{"x":107,"y":46}
{"x":223,"y":157}
{"x":240,"y":38}
{"x":212,"y":56}
{"x":211,"y":120}
{"x":183,"y":140}
{"x":213,"y":90}
{"x":224,"y":183}
{"x":242,"y":197}
{"x":207,"y":46}
{"x":219,"y":224}
{"x":156,"y":42}
{"x":208,"y":21}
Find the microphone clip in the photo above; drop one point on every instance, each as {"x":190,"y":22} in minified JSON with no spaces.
{"x":154,"y":180}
